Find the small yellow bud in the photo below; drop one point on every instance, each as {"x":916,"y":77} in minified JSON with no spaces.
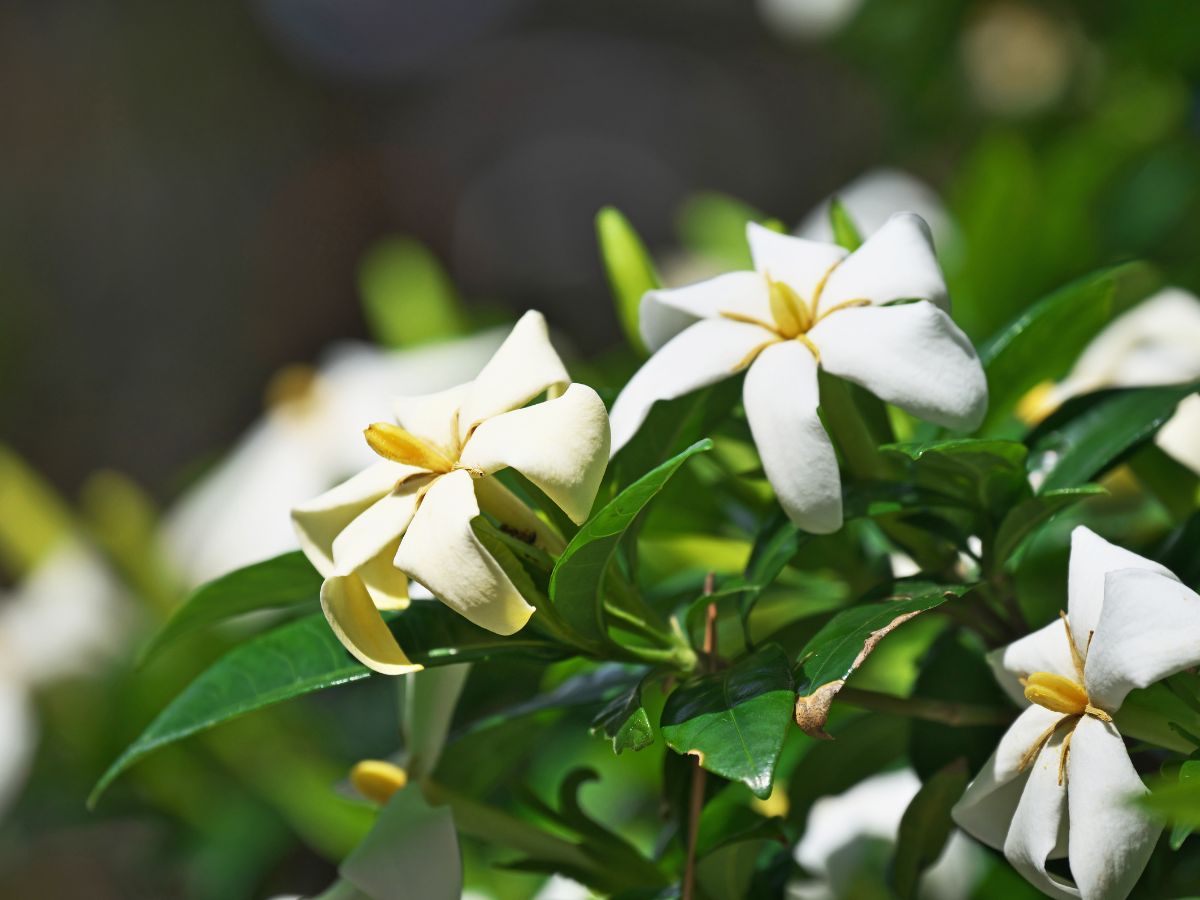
{"x":377,"y":780}
{"x":394,"y":443}
{"x":1057,"y":693}
{"x":789,"y":311}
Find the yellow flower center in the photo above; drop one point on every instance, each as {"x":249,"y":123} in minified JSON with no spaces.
{"x":792,"y":317}
{"x":377,"y":779}
{"x":394,"y":443}
{"x":1060,"y":694}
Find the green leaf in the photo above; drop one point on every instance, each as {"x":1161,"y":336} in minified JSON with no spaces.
{"x":1091,"y":433}
{"x":1177,"y":800}
{"x":625,"y":722}
{"x":735,"y":720}
{"x":1024,"y":519}
{"x":407,"y":297}
{"x":629,"y":267}
{"x":844,"y":643}
{"x":412,"y":844}
{"x":845,"y":232}
{"x":578,"y":576}
{"x":1043,"y":342}
{"x":925,"y":827}
{"x":713,"y":225}
{"x":986,"y":475}
{"x":305,"y":656}
{"x":287,"y":580}
{"x":1189,"y":774}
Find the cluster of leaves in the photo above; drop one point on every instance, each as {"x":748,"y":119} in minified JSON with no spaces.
{"x":686,"y":613}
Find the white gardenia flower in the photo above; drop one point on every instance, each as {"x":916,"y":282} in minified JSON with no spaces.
{"x":842,"y":829}
{"x":409,"y":514}
{"x":1156,"y":342}
{"x":307,"y":440}
{"x":1060,"y":782}
{"x":810,"y":304}
{"x":67,"y":614}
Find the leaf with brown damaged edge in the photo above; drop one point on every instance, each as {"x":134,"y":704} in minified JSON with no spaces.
{"x":839,"y":648}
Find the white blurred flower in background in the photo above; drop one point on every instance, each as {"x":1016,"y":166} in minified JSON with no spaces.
{"x":807,"y":19}
{"x":309,"y":438}
{"x":872,"y":197}
{"x":842,"y":830}
{"x":67,"y":615}
{"x":1157,"y":342}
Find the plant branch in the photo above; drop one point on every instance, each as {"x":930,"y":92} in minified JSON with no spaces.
{"x":696,"y":805}
{"x":945,"y":712}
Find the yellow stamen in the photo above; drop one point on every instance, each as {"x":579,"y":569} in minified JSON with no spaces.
{"x":1076,"y":659}
{"x":820,"y":289}
{"x":749,"y":320}
{"x":1031,"y":754}
{"x":845,"y":304}
{"x":394,"y":443}
{"x":1057,"y":693}
{"x":1062,"y":758}
{"x":807,"y":342}
{"x":790,"y":312}
{"x":377,"y":780}
{"x":753,"y":354}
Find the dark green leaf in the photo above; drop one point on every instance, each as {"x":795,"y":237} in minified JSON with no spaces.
{"x":287,"y":580}
{"x":1043,"y":342}
{"x":578,"y":576}
{"x":844,"y":643}
{"x":845,"y":232}
{"x":1024,"y":519}
{"x":925,"y":827}
{"x":629,"y":267}
{"x":1091,"y":433}
{"x":625,"y":722}
{"x":986,"y":475}
{"x":735,"y":720}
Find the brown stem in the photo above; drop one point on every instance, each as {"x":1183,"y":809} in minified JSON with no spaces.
{"x":946,"y":712}
{"x":696,"y":805}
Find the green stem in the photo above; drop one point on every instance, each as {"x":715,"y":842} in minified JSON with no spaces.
{"x":945,"y":712}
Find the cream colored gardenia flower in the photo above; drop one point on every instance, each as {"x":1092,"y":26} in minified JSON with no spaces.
{"x":1060,"y":782}
{"x":810,"y":304}
{"x":409,"y":514}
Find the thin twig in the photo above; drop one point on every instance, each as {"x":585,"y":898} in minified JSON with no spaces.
{"x":696,"y":805}
{"x":946,"y":712}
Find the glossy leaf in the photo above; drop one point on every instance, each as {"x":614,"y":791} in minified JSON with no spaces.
{"x":1091,"y":433}
{"x":578,"y":576}
{"x":925,"y":827}
{"x":1043,"y":342}
{"x":734,"y":721}
{"x":625,"y":722}
{"x":629,"y":267}
{"x":986,"y":475}
{"x":1024,"y":519}
{"x":844,"y":643}
{"x":287,"y":580}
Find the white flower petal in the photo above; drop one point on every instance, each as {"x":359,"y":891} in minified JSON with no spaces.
{"x":799,"y":263}
{"x":1149,"y":628}
{"x":386,"y":584}
{"x":320,"y":520}
{"x":560,"y":445}
{"x":703,"y":354}
{"x":525,"y":366}
{"x":377,"y":526}
{"x":357,"y":623}
{"x":873,"y":197}
{"x":986,"y":808}
{"x":1039,"y":824}
{"x":18,"y":739}
{"x":433,"y":416}
{"x":895,"y":263}
{"x":663,"y":314}
{"x":1045,"y":650}
{"x":1111,"y":840}
{"x":780,"y":394}
{"x":1092,"y":558}
{"x":442,"y":552}
{"x":911,"y":355}
{"x":1180,"y":437}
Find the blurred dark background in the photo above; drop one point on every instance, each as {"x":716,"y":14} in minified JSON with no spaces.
{"x":186,"y":191}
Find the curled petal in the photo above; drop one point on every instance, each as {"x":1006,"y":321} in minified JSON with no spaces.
{"x":433,"y":417}
{"x":525,"y":366}
{"x":560,"y":445}
{"x":986,"y":808}
{"x":1039,"y":825}
{"x":797,"y":262}
{"x":377,"y":526}
{"x":703,"y":354}
{"x":1045,"y":650}
{"x":911,"y":355}
{"x":441,"y":551}
{"x":360,"y":628}
{"x":780,"y":394}
{"x":895,"y":263}
{"x":1092,"y":558}
{"x":386,"y":584}
{"x":1149,"y":628}
{"x":1111,"y":840}
{"x":319,"y":521}
{"x":663,"y":314}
